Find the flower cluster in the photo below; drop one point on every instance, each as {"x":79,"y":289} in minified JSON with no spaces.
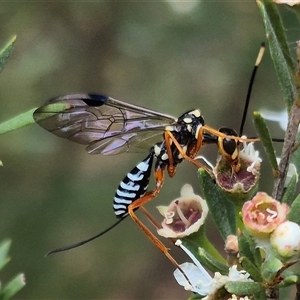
{"x":260,"y":219}
{"x":200,"y":280}
{"x":266,"y":218}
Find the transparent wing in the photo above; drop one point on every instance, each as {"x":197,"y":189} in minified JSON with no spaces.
{"x":108,"y":126}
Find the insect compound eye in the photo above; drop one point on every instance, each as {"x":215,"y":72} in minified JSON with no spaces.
{"x":228,"y":145}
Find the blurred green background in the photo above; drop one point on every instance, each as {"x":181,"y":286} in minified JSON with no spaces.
{"x":167,"y":56}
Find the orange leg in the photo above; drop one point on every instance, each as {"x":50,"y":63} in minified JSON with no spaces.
{"x":159,"y":176}
{"x":150,"y":218}
{"x":222,"y":135}
{"x":198,"y":164}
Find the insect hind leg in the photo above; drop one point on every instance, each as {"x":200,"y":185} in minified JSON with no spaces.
{"x":159,"y":176}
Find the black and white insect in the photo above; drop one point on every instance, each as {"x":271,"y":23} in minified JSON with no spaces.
{"x":109,"y":126}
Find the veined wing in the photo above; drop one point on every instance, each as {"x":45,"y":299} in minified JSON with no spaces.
{"x":108,"y":126}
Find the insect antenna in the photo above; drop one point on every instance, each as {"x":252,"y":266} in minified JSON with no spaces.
{"x":249,"y":92}
{"x":87,"y":240}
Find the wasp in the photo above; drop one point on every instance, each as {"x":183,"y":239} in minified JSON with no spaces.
{"x":109,"y":126}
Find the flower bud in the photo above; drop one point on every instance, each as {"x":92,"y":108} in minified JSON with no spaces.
{"x":285,"y":239}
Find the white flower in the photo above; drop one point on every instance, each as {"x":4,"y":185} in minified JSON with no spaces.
{"x":280,"y":117}
{"x":200,"y":280}
{"x":288,"y":2}
{"x":291,"y":172}
{"x":235,"y":275}
{"x":184,"y":216}
{"x":249,"y":153}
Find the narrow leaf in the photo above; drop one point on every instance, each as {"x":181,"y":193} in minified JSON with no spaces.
{"x":210,"y":263}
{"x":199,"y":239}
{"x":270,"y":268}
{"x":249,"y":266}
{"x":222,"y":211}
{"x":266,"y":140}
{"x":289,"y":194}
{"x":260,"y":295}
{"x":4,"y":248}
{"x":243,"y":287}
{"x":294,"y":214}
{"x":296,"y":156}
{"x":17,"y":122}
{"x":248,"y":248}
{"x":289,"y":280}
{"x":279,"y":50}
{"x":6,"y":51}
{"x":14,"y":286}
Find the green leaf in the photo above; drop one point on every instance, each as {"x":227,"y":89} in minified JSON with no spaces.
{"x":29,"y":117}
{"x":289,"y":280}
{"x":222,"y":211}
{"x":199,"y":239}
{"x":248,"y":248}
{"x":205,"y":257}
{"x":296,"y":156}
{"x":196,"y":297}
{"x":14,"y":286}
{"x":279,"y":50}
{"x":289,"y":194}
{"x":51,"y":109}
{"x":296,"y":10}
{"x":266,"y":140}
{"x":260,"y":295}
{"x":250,"y":267}
{"x":209,"y":262}
{"x":243,"y":287}
{"x":294,"y":214}
{"x":270,"y":268}
{"x":4,"y":248}
{"x":17,"y":122}
{"x":6,"y":51}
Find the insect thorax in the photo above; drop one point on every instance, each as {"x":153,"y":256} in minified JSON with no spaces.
{"x":185,"y":132}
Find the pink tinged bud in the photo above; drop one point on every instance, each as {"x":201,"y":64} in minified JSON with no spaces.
{"x":285,"y":239}
{"x":184,"y":215}
{"x":231,"y":244}
{"x":263,"y":214}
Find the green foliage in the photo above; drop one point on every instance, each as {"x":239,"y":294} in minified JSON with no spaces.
{"x":294,"y":214}
{"x":226,"y":214}
{"x":6,"y":51}
{"x":9,"y":290}
{"x":266,"y":140}
{"x":279,"y":50}
{"x":243,"y":288}
{"x":221,"y":209}
{"x":258,"y":256}
{"x":290,"y":191}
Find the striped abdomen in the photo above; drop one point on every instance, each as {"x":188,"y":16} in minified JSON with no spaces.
{"x":133,"y":186}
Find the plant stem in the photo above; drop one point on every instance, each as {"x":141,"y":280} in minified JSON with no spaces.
{"x":272,"y":293}
{"x":287,"y":150}
{"x":290,"y":136}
